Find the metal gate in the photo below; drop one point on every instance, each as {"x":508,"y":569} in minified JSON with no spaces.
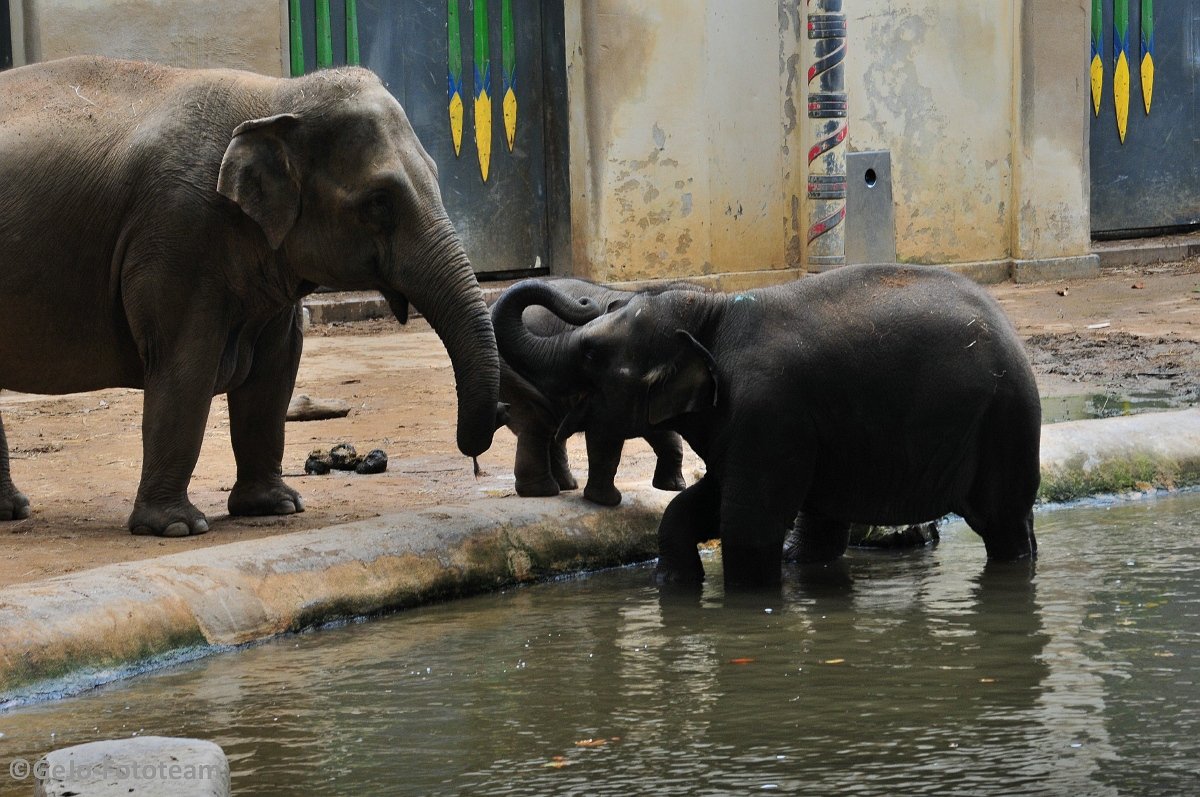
{"x":490,"y":108}
{"x":1145,"y":140}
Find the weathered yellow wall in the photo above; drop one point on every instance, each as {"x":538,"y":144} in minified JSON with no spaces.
{"x":932,"y":81}
{"x":246,"y":34}
{"x":679,"y":159}
{"x":689,"y":132}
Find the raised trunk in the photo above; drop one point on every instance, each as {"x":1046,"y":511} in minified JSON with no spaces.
{"x":443,"y":287}
{"x":525,"y":351}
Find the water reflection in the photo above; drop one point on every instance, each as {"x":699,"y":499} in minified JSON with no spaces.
{"x":925,"y":672}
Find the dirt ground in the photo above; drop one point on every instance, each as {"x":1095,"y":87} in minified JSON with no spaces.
{"x":78,"y":457}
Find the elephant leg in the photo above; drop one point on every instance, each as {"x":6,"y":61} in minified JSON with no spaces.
{"x":604,"y":455}
{"x":668,"y":472}
{"x":758,"y":508}
{"x":560,"y":466}
{"x":816,"y":540}
{"x":173,"y":418}
{"x":532,"y":468}
{"x":692,"y":517}
{"x":257,"y":414}
{"x":1000,"y":499}
{"x":13,"y":504}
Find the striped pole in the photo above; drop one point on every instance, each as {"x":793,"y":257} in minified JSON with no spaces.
{"x":827,"y":115}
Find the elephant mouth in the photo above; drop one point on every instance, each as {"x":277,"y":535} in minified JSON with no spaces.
{"x":398,"y":303}
{"x":576,"y":419}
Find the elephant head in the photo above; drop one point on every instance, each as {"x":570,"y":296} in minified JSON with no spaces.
{"x":635,"y":368}
{"x":337,"y":191}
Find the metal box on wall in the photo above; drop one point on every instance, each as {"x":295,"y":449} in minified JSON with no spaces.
{"x":870,"y":214}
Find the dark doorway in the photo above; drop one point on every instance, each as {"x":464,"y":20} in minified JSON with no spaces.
{"x":1151,"y":181}
{"x":517,"y":219}
{"x":6,"y":48}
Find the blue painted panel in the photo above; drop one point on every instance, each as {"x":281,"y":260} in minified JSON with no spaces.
{"x":1152,"y":181}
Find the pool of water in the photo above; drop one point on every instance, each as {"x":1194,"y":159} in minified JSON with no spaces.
{"x":899,"y":673}
{"x":1086,"y":406}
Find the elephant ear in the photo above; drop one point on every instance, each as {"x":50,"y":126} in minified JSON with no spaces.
{"x":258,"y":174}
{"x":686,"y":384}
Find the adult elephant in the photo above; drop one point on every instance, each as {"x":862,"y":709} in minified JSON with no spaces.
{"x":869,"y":394}
{"x":158,"y":228}
{"x":540,"y":398}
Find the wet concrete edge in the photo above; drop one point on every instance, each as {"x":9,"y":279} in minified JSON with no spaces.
{"x":121,"y":614}
{"x":106,"y":618}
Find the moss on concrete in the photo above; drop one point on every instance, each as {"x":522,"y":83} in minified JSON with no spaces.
{"x":1075,"y":479}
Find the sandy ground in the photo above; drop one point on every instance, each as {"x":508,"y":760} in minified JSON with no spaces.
{"x":78,"y":457}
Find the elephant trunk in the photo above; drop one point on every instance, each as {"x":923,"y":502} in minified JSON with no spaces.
{"x":446,"y":292}
{"x":525,"y":351}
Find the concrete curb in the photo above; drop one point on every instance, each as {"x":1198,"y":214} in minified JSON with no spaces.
{"x":118,"y":615}
{"x":1136,"y":453}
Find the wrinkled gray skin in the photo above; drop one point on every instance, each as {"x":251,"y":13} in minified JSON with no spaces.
{"x":868,"y":394}
{"x":158,"y":228}
{"x":539,"y":399}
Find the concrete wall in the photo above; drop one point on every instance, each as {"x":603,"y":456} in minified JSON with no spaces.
{"x":688,"y":130}
{"x":246,"y":34}
{"x":688,"y":148}
{"x":683,"y":161}
{"x":979,"y":104}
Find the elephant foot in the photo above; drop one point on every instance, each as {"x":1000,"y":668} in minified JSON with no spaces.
{"x":815,"y":540}
{"x":545,"y":487}
{"x":565,"y":481}
{"x":177,"y":520}
{"x":669,"y":479}
{"x":13,"y":505}
{"x":679,"y":574}
{"x":608,"y":495}
{"x":269,"y":498}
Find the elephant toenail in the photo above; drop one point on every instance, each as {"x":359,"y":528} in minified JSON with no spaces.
{"x":286,"y":507}
{"x":201,"y":527}
{"x":177,"y":529}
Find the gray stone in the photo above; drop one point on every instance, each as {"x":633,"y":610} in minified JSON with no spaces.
{"x":144,"y":766}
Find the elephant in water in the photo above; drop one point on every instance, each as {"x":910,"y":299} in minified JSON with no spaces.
{"x":158,"y":228}
{"x":868,"y":394}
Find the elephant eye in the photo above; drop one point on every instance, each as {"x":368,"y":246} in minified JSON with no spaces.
{"x":379,"y":210}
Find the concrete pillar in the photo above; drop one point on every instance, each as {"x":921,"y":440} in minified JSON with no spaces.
{"x":1051,"y":234}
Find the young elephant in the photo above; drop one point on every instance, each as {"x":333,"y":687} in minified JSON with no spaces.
{"x":539,"y":399}
{"x":158,"y":228}
{"x":868,"y":394}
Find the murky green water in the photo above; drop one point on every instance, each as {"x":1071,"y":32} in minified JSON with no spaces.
{"x":917,"y":673}
{"x":1086,"y":406}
